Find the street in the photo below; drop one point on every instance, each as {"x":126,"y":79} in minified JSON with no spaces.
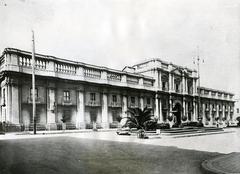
{"x":105,"y":152}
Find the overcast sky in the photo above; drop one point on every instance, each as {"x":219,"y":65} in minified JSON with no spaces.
{"x":116,"y":33}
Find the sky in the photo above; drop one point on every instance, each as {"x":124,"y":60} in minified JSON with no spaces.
{"x":119,"y":33}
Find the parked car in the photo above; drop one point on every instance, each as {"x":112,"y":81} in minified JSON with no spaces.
{"x":124,"y":131}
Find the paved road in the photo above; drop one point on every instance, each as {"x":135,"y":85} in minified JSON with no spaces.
{"x":105,"y":152}
{"x":87,"y":153}
{"x":222,"y":143}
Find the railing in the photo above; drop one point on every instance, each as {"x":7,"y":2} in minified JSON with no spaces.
{"x":115,"y":104}
{"x":113,"y":76}
{"x":37,"y":100}
{"x":92,"y":73}
{"x":58,"y":68}
{"x":27,"y":61}
{"x":132,"y":80}
{"x":93,"y":103}
{"x":65,"y":68}
{"x":66,"y":102}
{"x":131,"y":105}
{"x":148,"y":83}
{"x":40,"y":64}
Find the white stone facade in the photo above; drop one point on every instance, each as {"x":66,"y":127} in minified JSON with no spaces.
{"x":84,"y":94}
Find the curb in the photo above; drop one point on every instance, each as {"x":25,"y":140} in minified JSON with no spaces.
{"x":209,"y":167}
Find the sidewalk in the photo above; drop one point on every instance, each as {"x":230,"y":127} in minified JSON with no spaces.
{"x":223,"y":164}
{"x":49,"y":132}
{"x":46,"y":132}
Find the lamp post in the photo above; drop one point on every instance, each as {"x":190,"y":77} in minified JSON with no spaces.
{"x":33,"y":84}
{"x":199,"y":60}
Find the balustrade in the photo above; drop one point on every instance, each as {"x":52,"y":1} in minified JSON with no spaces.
{"x":65,"y":68}
{"x":147,"y":82}
{"x":113,"y":76}
{"x":27,"y":61}
{"x":92,"y":73}
{"x":132,"y":80}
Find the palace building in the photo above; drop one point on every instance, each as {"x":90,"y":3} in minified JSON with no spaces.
{"x":82,"y":93}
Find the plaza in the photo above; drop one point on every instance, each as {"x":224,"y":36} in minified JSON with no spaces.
{"x":106,"y":152}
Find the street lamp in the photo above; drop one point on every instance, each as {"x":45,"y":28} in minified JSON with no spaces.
{"x":198,"y":61}
{"x":33,"y":84}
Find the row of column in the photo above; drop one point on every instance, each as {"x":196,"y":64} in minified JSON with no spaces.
{"x":215,"y":114}
{"x":158,"y":108}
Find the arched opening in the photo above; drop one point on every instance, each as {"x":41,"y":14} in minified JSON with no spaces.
{"x":177,"y":111}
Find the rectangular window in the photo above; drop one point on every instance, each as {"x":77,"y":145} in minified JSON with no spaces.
{"x":66,"y":95}
{"x":132,"y":100}
{"x":148,"y":101}
{"x":177,"y":87}
{"x":93,"y":96}
{"x":238,"y":110}
{"x":114,"y":98}
{"x":66,"y":115}
{"x":36,"y":93}
{"x":164,"y":86}
{"x":4,"y":96}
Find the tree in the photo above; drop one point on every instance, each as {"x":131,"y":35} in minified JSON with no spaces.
{"x":140,"y":119}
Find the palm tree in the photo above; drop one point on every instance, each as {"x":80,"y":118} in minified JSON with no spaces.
{"x":140,"y":119}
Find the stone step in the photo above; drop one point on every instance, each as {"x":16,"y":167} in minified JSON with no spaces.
{"x":181,"y":131}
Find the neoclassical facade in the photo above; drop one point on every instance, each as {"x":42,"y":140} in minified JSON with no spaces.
{"x":82,"y":93}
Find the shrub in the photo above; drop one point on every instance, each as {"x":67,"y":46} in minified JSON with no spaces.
{"x":175,"y":125}
{"x":238,"y":119}
{"x":200,"y":124}
{"x":193,"y":123}
{"x":170,"y":118}
{"x":184,"y":118}
{"x":208,"y":118}
{"x":163,"y":126}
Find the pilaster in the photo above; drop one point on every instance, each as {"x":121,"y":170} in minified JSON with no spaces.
{"x":160,"y":111}
{"x":80,"y":120}
{"x":51,"y":110}
{"x":124,"y":106}
{"x":105,"y":121}
{"x":156,"y":109}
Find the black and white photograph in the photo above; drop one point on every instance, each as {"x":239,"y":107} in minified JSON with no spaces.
{"x":119,"y":87}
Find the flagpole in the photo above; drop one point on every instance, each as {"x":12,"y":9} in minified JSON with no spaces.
{"x":33,"y":84}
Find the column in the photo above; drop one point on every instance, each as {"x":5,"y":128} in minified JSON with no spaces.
{"x":160,"y":79}
{"x":170,"y":105}
{"x":8,"y":102}
{"x":156,"y":109}
{"x":184,"y":106}
{"x":186,"y":85}
{"x":80,"y":121}
{"x":194,"y":110}
{"x":183,"y":85}
{"x":51,"y":115}
{"x":170,"y":82}
{"x":141,"y":102}
{"x":105,"y":121}
{"x":15,"y":101}
{"x":160,"y":111}
{"x":173,"y":83}
{"x":124,"y":106}
{"x":217,"y":111}
{"x":229,"y":112}
{"x":156,"y":78}
{"x":223,"y":111}
{"x":203,"y":114}
{"x":210,"y":114}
